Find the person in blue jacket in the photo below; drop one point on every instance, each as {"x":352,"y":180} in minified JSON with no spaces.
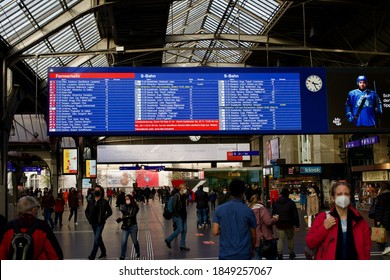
{"x":363,"y":106}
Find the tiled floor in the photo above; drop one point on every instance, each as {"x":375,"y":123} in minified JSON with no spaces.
{"x":77,"y":241}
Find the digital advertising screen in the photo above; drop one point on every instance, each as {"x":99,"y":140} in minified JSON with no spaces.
{"x":196,"y":101}
{"x":358,"y":99}
{"x":131,"y":101}
{"x":90,"y":168}
{"x":70,"y":161}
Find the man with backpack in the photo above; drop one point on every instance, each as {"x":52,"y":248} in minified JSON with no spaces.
{"x":179,"y":208}
{"x":168,"y":208}
{"x":28,"y":237}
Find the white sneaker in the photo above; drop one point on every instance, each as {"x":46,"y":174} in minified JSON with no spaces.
{"x":76,"y":224}
{"x":386,"y":251}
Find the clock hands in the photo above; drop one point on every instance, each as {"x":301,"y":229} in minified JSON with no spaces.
{"x":315,"y":84}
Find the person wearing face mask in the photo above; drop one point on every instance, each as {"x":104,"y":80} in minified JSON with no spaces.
{"x":312,"y":206}
{"x":224,"y":196}
{"x":97,"y":212}
{"x":343,"y":234}
{"x":129,"y":225}
{"x":179,"y":217}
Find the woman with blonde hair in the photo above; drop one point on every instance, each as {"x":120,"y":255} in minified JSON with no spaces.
{"x":341,"y":234}
{"x":265,"y":241}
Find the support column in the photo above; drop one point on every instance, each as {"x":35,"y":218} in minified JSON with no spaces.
{"x":4,"y":172}
{"x":81,"y":164}
{"x":54,"y":175}
{"x":55,"y":159}
{"x":4,"y":138}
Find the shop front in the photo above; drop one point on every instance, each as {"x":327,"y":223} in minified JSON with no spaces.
{"x":299,"y":178}
{"x":221,"y":177}
{"x":371,"y":177}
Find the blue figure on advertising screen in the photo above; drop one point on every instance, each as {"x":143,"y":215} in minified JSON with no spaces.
{"x":363,"y":106}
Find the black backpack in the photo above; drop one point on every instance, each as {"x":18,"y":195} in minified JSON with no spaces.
{"x":168,"y":208}
{"x":22,"y":243}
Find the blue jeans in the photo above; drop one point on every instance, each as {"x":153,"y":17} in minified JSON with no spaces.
{"x":47,"y":216}
{"x":133,"y":232}
{"x":98,"y":240}
{"x":202,"y":216}
{"x":181,"y":228}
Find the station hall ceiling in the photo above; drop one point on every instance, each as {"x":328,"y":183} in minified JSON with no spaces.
{"x":199,"y":33}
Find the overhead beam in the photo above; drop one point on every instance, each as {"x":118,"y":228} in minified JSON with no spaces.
{"x":229,"y":37}
{"x":101,"y":45}
{"x":258,"y":48}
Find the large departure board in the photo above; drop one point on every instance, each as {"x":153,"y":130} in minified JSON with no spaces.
{"x":123,"y":101}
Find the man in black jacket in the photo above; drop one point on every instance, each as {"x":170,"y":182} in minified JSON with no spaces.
{"x":97,"y":212}
{"x":288,"y":222}
{"x":179,"y":218}
{"x":202,"y":206}
{"x":382,"y":213}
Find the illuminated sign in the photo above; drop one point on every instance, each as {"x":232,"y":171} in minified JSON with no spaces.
{"x":198,"y":101}
{"x":310,"y":169}
{"x":362,"y":142}
{"x":70,"y":161}
{"x":90,"y":168}
{"x":123,"y":101}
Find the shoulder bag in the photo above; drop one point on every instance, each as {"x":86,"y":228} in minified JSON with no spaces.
{"x":268,"y":248}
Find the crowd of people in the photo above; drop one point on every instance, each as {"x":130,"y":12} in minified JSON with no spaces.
{"x":237,"y":214}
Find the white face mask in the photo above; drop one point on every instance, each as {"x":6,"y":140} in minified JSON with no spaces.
{"x":224,"y":192}
{"x":184,"y":191}
{"x":342,"y":201}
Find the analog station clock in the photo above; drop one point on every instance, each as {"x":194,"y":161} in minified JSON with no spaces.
{"x":195,"y":138}
{"x":313,"y":83}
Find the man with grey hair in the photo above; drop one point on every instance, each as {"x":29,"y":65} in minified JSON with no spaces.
{"x":45,"y":244}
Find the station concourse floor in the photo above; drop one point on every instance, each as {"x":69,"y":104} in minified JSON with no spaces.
{"x":77,"y":241}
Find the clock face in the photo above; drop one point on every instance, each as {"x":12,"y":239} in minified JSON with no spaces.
{"x":313,"y":83}
{"x":195,"y":138}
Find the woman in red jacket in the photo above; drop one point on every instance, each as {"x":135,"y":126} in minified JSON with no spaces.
{"x":343,"y":234}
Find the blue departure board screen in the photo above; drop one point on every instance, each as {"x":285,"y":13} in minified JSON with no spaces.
{"x":131,"y":101}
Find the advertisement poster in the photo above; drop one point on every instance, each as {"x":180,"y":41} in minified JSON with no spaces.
{"x":90,"y":170}
{"x":70,"y":161}
{"x":147,"y":178}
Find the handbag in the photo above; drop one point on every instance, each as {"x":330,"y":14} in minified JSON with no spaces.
{"x":268,"y":248}
{"x":378,"y":234}
{"x":371,"y":213}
